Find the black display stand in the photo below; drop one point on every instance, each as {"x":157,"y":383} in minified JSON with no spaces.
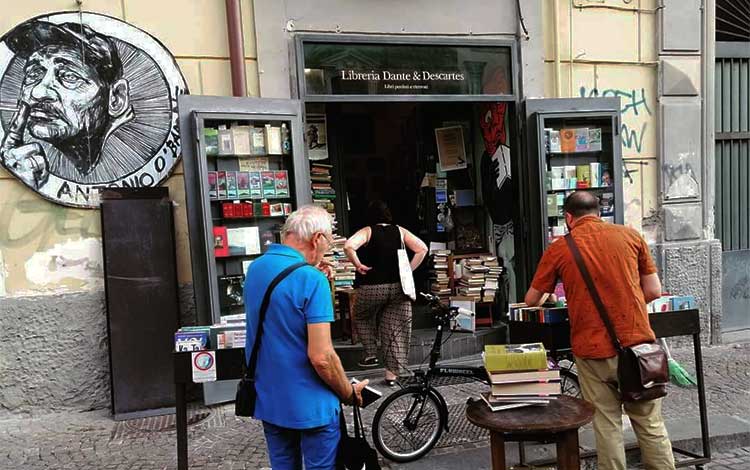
{"x":142,"y":301}
{"x":556,"y":338}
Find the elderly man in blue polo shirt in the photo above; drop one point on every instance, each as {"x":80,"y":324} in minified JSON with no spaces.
{"x":300,"y":382}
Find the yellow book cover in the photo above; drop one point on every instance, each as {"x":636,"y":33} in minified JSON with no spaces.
{"x":515,"y":357}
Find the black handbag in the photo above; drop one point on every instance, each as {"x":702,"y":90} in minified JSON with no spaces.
{"x":642,"y":369}
{"x":355,"y":453}
{"x":244,"y":401}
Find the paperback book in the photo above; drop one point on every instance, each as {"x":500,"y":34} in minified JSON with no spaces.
{"x":515,"y":357}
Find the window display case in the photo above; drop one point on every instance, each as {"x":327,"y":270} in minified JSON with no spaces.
{"x":244,"y":173}
{"x":574,"y":145}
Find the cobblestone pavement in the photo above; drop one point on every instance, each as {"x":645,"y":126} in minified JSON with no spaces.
{"x":92,"y":440}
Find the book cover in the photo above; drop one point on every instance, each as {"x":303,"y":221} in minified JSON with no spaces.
{"x":517,"y":377}
{"x":221,"y":245}
{"x":567,"y":140}
{"x":221,"y":184}
{"x":551,"y":205}
{"x":554,"y":141}
{"x":268,"y":183}
{"x":273,"y":140}
{"x":683,"y":302}
{"x":190,"y":341}
{"x":595,"y":170}
{"x":281,"y":183}
{"x":595,"y":140}
{"x":256,"y":187}
{"x":500,"y":406}
{"x":257,"y":141}
{"x":515,"y":357}
{"x":582,"y":140}
{"x":662,"y":304}
{"x":212,"y":186}
{"x":243,"y":241}
{"x":231,"y":184}
{"x":243,"y":184}
{"x":526,"y":388}
{"x":583,"y":176}
{"x":245,"y":265}
{"x":277,"y":209}
{"x":241,"y":139}
{"x":225,"y":142}
{"x":607,"y":204}
{"x":606,"y":174}
{"x":253,"y":164}
{"x":230,"y":290}
{"x":267,"y":238}
{"x":211,"y":140}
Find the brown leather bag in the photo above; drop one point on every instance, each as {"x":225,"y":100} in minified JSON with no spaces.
{"x":642,"y":369}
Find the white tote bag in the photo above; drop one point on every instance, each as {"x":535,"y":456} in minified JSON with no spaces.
{"x":404,"y":270}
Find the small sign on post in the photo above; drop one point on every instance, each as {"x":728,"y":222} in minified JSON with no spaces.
{"x":204,"y":366}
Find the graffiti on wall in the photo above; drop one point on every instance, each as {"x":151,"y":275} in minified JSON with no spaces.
{"x":634,"y":102}
{"x":87,"y":102}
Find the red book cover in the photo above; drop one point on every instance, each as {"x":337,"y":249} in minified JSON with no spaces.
{"x":221,"y":243}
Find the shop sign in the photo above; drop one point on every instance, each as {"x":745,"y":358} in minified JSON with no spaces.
{"x":401,"y":69}
{"x":87,"y":102}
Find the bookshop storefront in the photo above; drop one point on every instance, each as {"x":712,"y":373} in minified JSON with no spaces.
{"x":423,"y":124}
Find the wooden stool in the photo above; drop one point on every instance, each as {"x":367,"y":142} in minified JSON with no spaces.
{"x":557,"y":422}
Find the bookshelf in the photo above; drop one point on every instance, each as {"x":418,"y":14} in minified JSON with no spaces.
{"x":244,"y":173}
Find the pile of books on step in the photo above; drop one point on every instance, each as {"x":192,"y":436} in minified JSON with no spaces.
{"x":343,"y":269}
{"x":323,"y":193}
{"x":473,"y":279}
{"x":440,"y":283}
{"x":519,"y":376}
{"x":492,"y":277}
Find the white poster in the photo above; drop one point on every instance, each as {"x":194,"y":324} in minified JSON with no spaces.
{"x":451,"y":148}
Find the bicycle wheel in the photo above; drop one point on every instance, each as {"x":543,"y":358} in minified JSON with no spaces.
{"x":569,"y":383}
{"x":407,"y":425}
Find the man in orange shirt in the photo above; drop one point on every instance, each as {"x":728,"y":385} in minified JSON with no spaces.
{"x":620,"y":264}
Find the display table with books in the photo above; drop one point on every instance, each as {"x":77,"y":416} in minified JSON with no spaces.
{"x":556,"y":422}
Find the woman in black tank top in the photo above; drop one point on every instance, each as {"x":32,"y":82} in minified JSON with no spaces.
{"x":381,"y":310}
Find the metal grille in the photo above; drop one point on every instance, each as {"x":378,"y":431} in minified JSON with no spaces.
{"x":142,"y":427}
{"x":733,"y":20}
{"x":732,"y":121}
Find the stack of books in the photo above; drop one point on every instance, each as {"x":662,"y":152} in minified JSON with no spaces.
{"x":323,"y":193}
{"x":473,"y":278}
{"x":344,"y":271}
{"x":519,"y":376}
{"x":440,"y":281}
{"x":492,"y":278}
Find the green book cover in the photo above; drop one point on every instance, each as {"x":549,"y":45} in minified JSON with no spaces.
{"x":515,"y":357}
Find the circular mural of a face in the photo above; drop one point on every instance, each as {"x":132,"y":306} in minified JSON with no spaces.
{"x":87,"y":102}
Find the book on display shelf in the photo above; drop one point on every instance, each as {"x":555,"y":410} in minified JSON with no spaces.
{"x":539,"y":388}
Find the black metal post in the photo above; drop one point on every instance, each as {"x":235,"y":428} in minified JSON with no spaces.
{"x":181,"y":427}
{"x":701,"y":395}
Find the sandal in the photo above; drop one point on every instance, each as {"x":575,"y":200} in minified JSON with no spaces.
{"x":369,"y":362}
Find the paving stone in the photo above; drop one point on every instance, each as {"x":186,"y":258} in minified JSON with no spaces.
{"x":90,"y":441}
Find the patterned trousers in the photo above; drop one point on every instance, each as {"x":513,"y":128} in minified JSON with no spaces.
{"x":383,"y":312}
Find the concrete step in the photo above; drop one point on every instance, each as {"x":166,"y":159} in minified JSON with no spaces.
{"x":455,"y":346}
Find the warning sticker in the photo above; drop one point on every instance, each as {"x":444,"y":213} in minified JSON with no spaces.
{"x":204,"y":366}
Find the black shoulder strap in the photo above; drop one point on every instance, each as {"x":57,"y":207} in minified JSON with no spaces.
{"x":593,"y":291}
{"x":250,"y":371}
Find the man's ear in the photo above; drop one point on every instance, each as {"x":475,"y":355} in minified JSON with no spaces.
{"x":119,"y":98}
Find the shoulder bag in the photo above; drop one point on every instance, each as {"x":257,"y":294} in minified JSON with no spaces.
{"x":404,"y":270}
{"x":244,"y":402}
{"x":354,"y":452}
{"x":642,"y":369}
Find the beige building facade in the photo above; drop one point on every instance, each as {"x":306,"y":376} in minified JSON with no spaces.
{"x":51,"y":277}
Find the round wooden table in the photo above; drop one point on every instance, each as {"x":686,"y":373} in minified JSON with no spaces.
{"x":557,"y":422}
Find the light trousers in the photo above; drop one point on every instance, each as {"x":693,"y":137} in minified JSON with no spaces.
{"x":598,"y":378}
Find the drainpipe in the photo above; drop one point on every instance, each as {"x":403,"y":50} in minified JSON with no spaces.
{"x":236,"y":48}
{"x":558,"y":72}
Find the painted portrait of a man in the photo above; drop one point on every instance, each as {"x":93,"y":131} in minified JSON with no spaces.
{"x":75,"y":95}
{"x":88,"y":101}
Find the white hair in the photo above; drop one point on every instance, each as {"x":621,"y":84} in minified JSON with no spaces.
{"x":307,"y":221}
